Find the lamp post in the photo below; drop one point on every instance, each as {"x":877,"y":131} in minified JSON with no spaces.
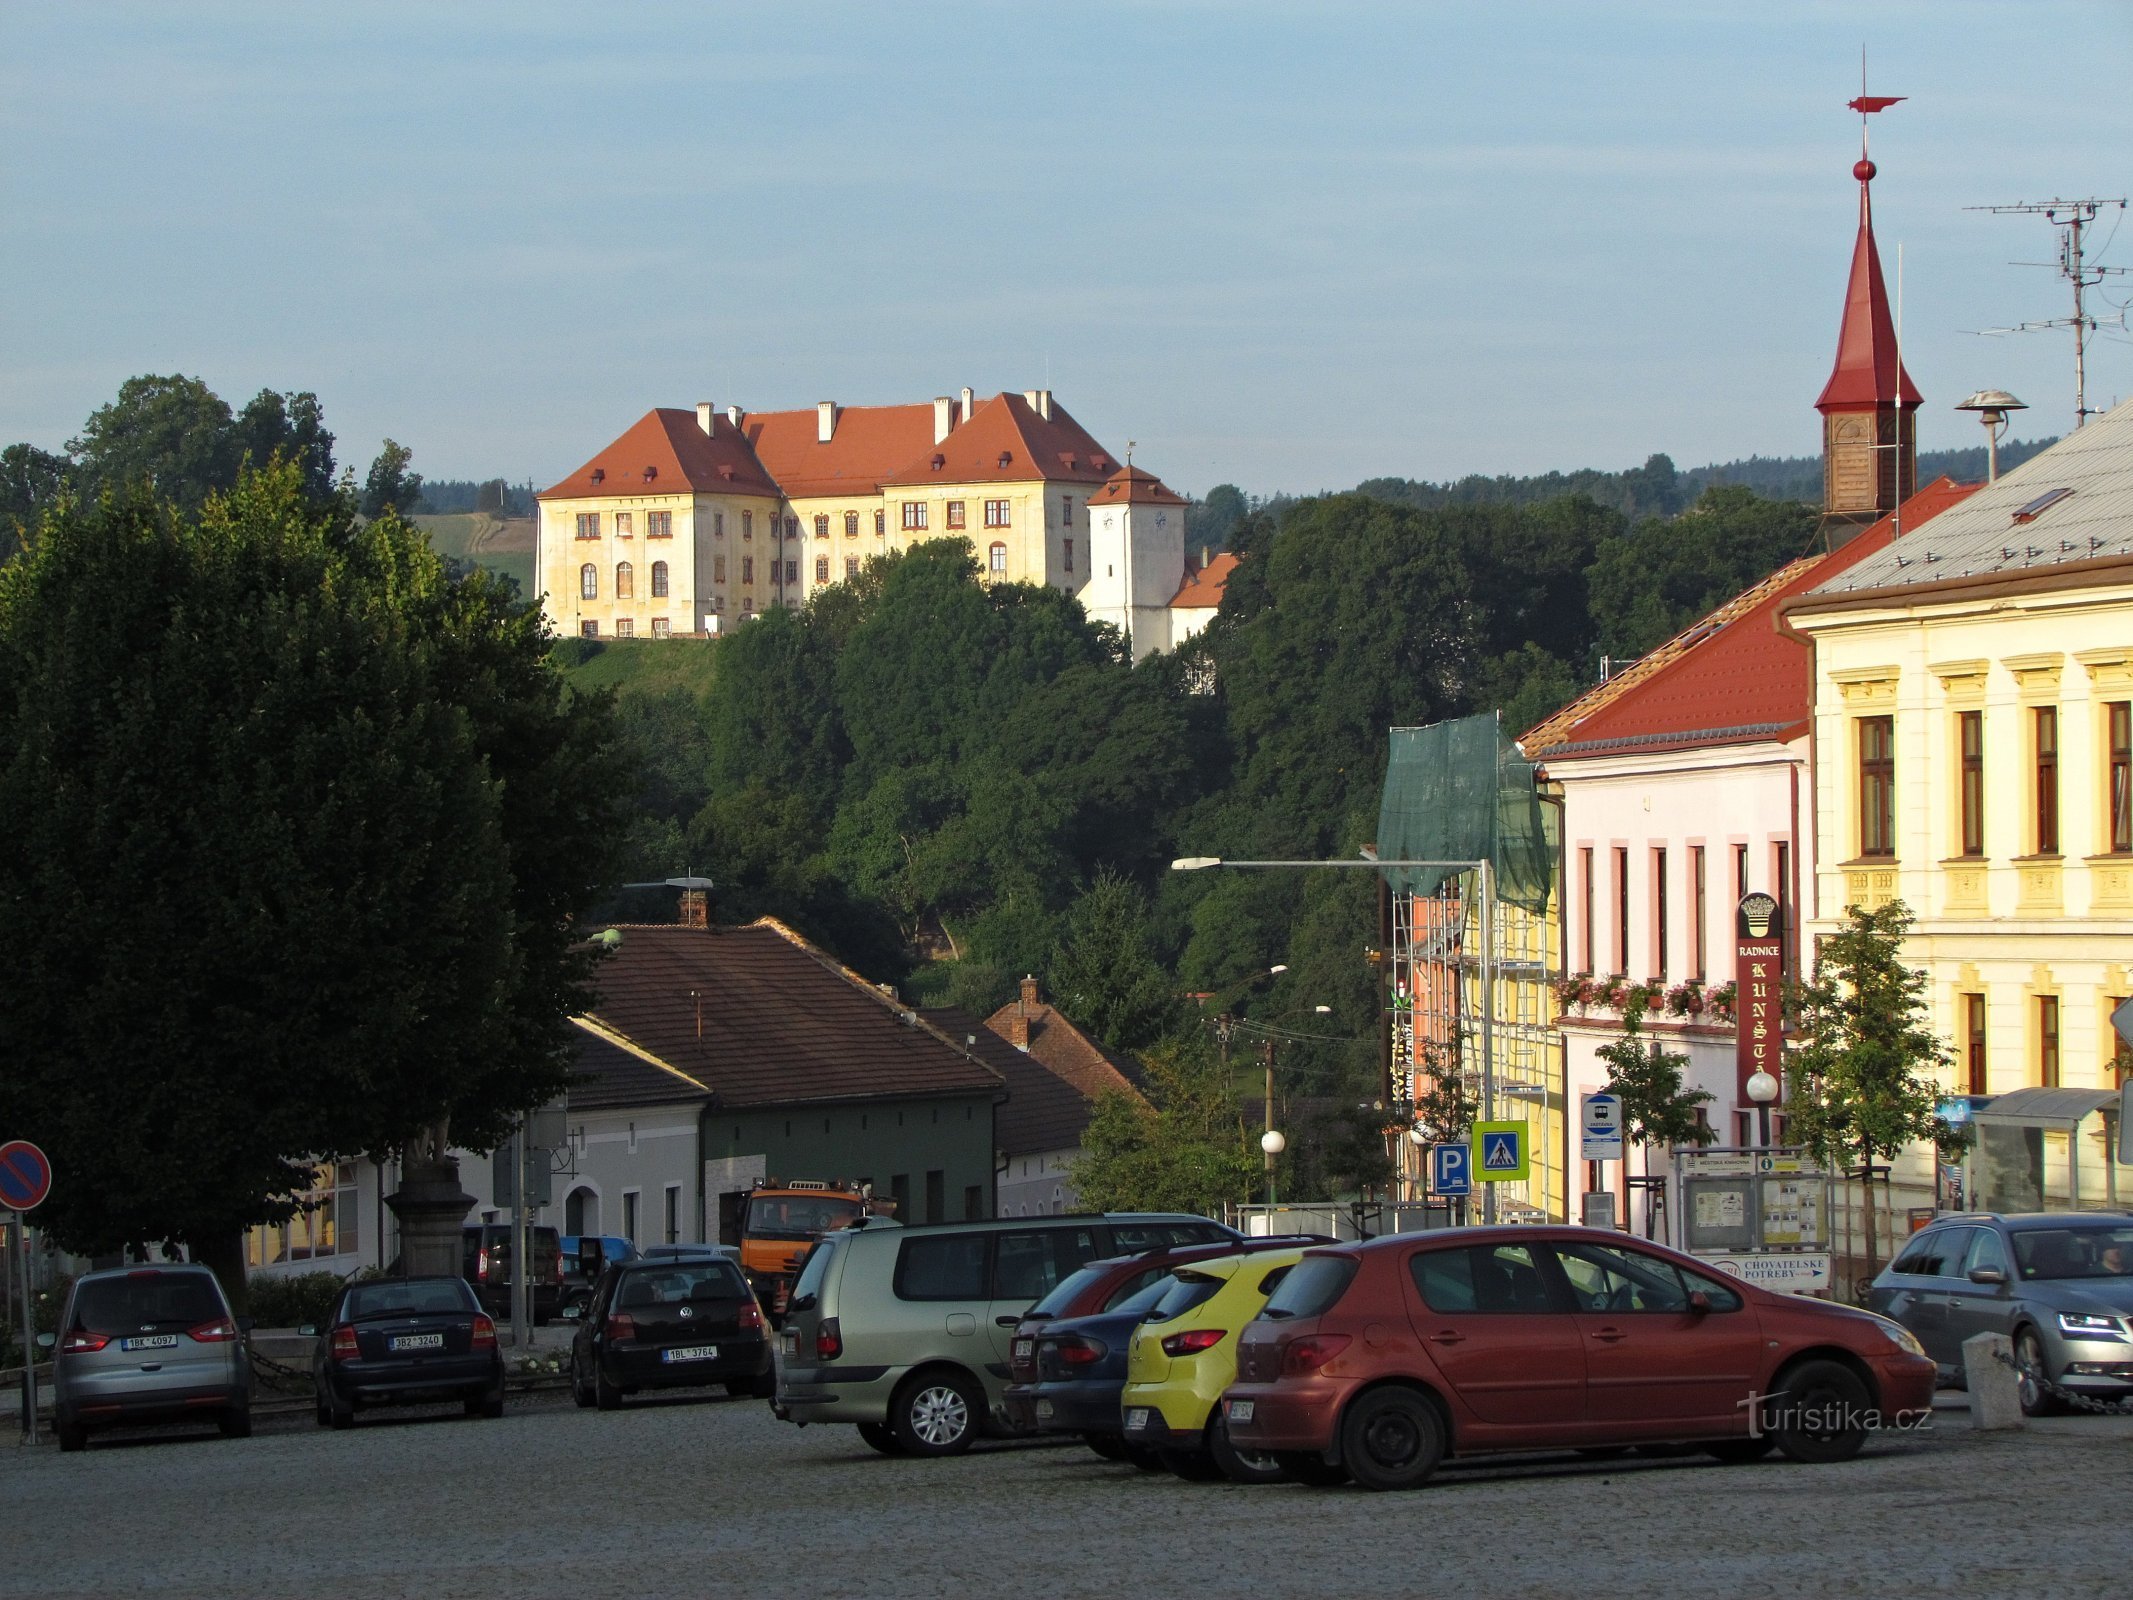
{"x":1273,"y":1143}
{"x":1485,"y":897}
{"x":1762,"y":1089}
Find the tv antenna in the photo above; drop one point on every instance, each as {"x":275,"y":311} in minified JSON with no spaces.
{"x":2071,"y":218}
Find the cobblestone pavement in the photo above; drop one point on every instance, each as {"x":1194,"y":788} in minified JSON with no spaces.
{"x":695,"y":1497}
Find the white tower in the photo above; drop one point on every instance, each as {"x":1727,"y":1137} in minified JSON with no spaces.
{"x":1136,"y":557}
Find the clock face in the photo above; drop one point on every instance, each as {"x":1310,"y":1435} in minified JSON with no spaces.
{"x":1162,"y":519}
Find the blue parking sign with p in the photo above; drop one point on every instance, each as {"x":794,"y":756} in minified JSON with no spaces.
{"x":1449,"y":1172}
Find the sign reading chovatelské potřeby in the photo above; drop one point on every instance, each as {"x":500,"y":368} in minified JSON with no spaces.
{"x":1758,"y":980}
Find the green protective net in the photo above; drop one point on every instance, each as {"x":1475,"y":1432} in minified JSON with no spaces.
{"x":1460,"y":791}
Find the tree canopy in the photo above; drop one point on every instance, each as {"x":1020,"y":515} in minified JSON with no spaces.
{"x":300,"y":825}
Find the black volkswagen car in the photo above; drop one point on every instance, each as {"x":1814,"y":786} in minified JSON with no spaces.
{"x":674,"y":1324}
{"x":406,"y":1341}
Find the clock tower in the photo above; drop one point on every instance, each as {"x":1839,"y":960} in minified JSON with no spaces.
{"x":1869,"y":406}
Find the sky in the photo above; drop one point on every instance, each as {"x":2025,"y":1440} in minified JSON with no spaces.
{"x":1285,"y":246}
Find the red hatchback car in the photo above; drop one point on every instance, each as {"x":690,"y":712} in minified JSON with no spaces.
{"x":1377,"y":1361}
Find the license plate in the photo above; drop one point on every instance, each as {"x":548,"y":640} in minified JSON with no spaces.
{"x":1044,"y":1408}
{"x":1136,"y":1419}
{"x":690,"y":1352}
{"x":1022,"y":1349}
{"x":154,"y":1341}
{"x":792,"y":1342}
{"x":1241,"y":1410}
{"x":415,"y":1341}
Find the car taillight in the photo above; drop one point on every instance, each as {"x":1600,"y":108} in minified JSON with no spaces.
{"x":622,"y":1326}
{"x":829,"y":1340}
{"x":481,"y":1265}
{"x":344,"y":1346}
{"x":1077,"y":1351}
{"x":81,"y":1341}
{"x":220,"y":1331}
{"x":751,"y":1314}
{"x":484,"y":1334}
{"x":1300,"y":1356}
{"x":1192,"y":1343}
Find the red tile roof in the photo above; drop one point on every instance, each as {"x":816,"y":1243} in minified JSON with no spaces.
{"x":1006,"y":441}
{"x":1867,"y":371}
{"x":1131,"y":486}
{"x":1203,"y":586}
{"x":667,"y":452}
{"x":867,"y":444}
{"x":1064,"y":1051}
{"x":1043,"y":1111}
{"x":760,"y":1017}
{"x":1731,"y":679}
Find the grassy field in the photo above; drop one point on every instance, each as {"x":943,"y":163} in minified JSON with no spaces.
{"x":503,"y":546}
{"x":638,"y":666}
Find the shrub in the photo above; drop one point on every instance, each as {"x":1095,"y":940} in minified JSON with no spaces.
{"x":279,"y":1302}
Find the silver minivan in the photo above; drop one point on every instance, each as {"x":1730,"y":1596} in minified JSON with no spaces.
{"x":905,"y":1331}
{"x":141,"y":1345}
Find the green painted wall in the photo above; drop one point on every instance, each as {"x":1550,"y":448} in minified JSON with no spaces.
{"x":877,"y":1141}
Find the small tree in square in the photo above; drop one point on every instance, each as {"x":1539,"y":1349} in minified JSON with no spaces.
{"x":1857,"y":1087}
{"x":1657,"y":1110}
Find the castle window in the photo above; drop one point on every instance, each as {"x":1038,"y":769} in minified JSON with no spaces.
{"x":661,"y":628}
{"x":625,"y":581}
{"x":659,"y":579}
{"x":822,"y":527}
{"x":659,"y":524}
{"x":625,"y":524}
{"x":851,"y":524}
{"x":914,"y":516}
{"x":1067,"y":563}
{"x":822,"y":569}
{"x":588,"y":582}
{"x":1877,"y":786}
{"x":996,"y":559}
{"x":588,"y":524}
{"x":955,"y":513}
{"x":851,"y":567}
{"x":996,"y":514}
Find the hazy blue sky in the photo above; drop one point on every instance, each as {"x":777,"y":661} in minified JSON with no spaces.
{"x":1291,"y":246}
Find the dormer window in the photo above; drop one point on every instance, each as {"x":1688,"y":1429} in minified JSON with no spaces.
{"x":1005,"y":457}
{"x":599,"y":475}
{"x":650,"y":473}
{"x":939,"y":462}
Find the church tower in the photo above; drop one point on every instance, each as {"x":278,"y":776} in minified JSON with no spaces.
{"x":1869,"y":407}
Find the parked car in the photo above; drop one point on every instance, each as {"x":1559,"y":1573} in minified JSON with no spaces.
{"x":1380,"y":1360}
{"x":2059,"y":1285}
{"x":692,"y":1252}
{"x":148,"y":1345}
{"x":1071,"y":1383}
{"x":485,"y":1262}
{"x":1184,"y":1354}
{"x":406,"y":1342}
{"x":906,"y":1331}
{"x":577,"y":1278}
{"x":676,"y":1324}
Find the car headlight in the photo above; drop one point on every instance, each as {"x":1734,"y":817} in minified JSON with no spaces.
{"x":2082,"y":1325}
{"x":1900,"y":1336}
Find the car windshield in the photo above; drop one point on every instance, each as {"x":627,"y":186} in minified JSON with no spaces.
{"x":2081,"y":1251}
{"x":147,"y":1302}
{"x":1181,"y":1293}
{"x":388,"y":1299}
{"x":1069,"y":1289}
{"x":798,"y":1216}
{"x":1142,"y":1301}
{"x":678,"y":1282}
{"x":1312,"y":1288}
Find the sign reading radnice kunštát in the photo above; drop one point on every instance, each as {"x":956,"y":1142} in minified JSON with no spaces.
{"x":1758,"y":976}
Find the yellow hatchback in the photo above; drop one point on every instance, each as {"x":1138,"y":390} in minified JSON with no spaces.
{"x":1185,"y":1355}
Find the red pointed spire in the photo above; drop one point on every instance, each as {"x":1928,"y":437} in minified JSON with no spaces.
{"x":1867,"y":372}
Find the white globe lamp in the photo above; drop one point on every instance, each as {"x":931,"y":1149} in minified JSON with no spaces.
{"x":1273,"y":1142}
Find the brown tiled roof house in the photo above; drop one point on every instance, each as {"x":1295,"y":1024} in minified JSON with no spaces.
{"x":1054,"y":1073}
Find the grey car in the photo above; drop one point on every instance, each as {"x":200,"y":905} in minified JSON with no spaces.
{"x":141,"y":1345}
{"x":2058,"y":1284}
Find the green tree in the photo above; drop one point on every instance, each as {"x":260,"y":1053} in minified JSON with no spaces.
{"x":1654,"y":580}
{"x":299,"y":831}
{"x":1447,"y":1107}
{"x":1857,"y":1089}
{"x":1180,"y":1149}
{"x":390,"y":486}
{"x":293,"y":427}
{"x":490,"y":497}
{"x":1105,"y":974}
{"x":1214,"y":520}
{"x":1656,"y":1109}
{"x":30,"y":480}
{"x":172,"y":435}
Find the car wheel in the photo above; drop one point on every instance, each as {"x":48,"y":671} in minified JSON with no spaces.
{"x":580,"y":1390}
{"x":2033,"y":1372}
{"x":339,"y":1415}
{"x":1738,"y":1452}
{"x":605,"y":1395}
{"x":1819,"y":1413}
{"x":489,"y":1405}
{"x":1239,"y":1466}
{"x":235,"y":1422}
{"x":72,"y":1435}
{"x":1108,"y":1445}
{"x":882,"y":1437}
{"x":1194,"y":1466}
{"x":1392,"y":1439}
{"x":936,"y":1414}
{"x":323,"y":1413}
{"x":1306,"y":1467}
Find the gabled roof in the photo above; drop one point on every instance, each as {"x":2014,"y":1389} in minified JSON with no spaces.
{"x":1043,"y":1110}
{"x":666,"y":451}
{"x":2093,"y":521}
{"x":1203,"y":586}
{"x":614,"y":1073}
{"x":1867,"y":371}
{"x":758,"y":1016}
{"x":867,"y":444}
{"x":1732,"y":678}
{"x":1066,"y":1052}
{"x":1131,"y":486}
{"x":1006,"y":441}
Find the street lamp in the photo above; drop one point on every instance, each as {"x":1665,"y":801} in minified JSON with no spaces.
{"x":1273,"y":1143}
{"x":1762,"y":1089}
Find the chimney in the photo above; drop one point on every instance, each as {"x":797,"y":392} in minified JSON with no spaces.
{"x":943,"y":417}
{"x":734,"y":415}
{"x":967,"y":398}
{"x":825,"y":420}
{"x":704,"y":408}
{"x":1018,"y":1020}
{"x":1044,"y":404}
{"x":1030,"y":395}
{"x":695,"y":911}
{"x":1207,"y":555}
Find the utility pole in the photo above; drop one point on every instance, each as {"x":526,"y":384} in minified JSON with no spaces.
{"x":1268,"y":1127}
{"x":521,"y":1247}
{"x":2071,"y":218}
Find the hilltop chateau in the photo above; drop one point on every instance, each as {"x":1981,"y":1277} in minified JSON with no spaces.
{"x":691,"y":522}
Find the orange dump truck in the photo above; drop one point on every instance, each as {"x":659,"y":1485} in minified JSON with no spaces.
{"x":782,"y":1220}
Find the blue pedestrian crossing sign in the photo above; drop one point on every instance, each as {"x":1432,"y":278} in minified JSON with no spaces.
{"x":1502,"y":1152}
{"x":1449,"y":1173}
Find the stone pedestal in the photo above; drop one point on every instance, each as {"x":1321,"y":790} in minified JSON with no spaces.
{"x":431,"y":1208}
{"x":1995,"y":1386}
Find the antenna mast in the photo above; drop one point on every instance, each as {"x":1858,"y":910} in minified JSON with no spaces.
{"x":2070,"y":217}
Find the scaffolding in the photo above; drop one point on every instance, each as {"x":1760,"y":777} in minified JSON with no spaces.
{"x":1475,"y":953}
